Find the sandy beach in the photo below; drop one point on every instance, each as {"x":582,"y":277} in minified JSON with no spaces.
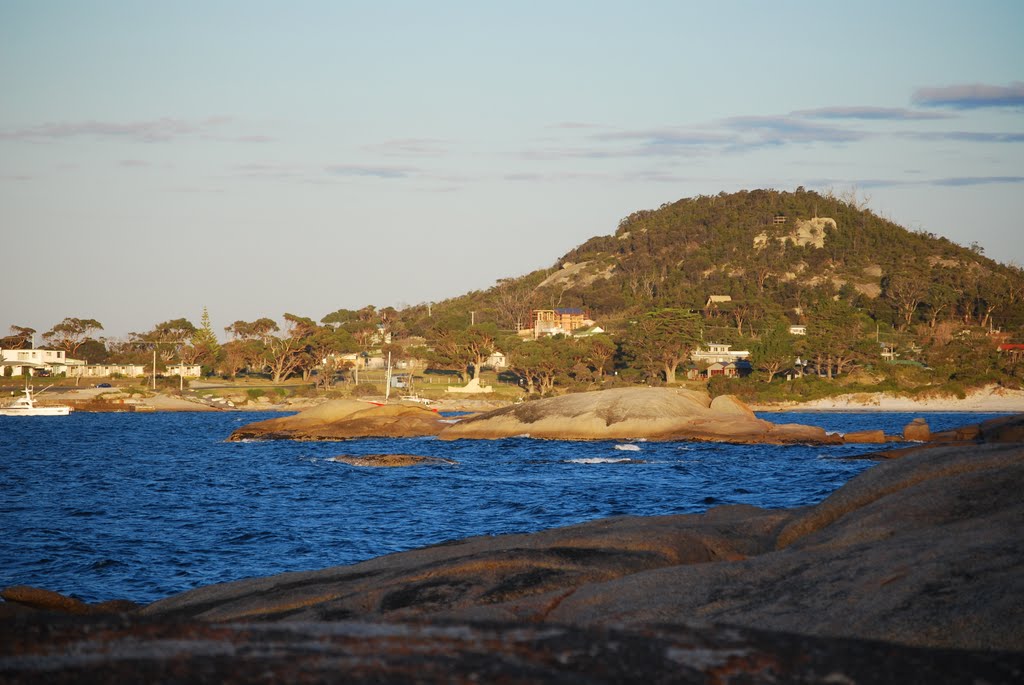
{"x":989,"y":399}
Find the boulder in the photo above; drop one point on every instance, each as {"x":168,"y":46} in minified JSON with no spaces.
{"x":865,"y":437}
{"x":917,"y":431}
{"x":341,"y":419}
{"x":633,"y":413}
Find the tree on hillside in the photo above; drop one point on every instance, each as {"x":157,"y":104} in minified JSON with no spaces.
{"x":660,"y":340}
{"x":70,"y":333}
{"x":513,"y":301}
{"x":835,"y":337}
{"x":538,"y":362}
{"x":906,"y":289}
{"x":774,"y":350}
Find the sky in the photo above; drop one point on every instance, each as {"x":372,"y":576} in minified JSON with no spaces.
{"x":257,"y":158}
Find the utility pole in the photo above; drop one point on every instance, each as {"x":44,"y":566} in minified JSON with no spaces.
{"x":472,"y":318}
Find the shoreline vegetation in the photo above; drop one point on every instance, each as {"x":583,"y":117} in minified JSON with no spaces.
{"x":214,"y":397}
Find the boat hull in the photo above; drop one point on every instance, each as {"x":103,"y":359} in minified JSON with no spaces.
{"x":35,"y":411}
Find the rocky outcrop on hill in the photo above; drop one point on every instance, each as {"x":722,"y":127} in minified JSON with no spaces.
{"x":632,"y":413}
{"x":342,"y":419}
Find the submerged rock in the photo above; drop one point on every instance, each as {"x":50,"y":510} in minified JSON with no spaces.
{"x":631,"y":413}
{"x":390,"y":460}
{"x":342,"y":419}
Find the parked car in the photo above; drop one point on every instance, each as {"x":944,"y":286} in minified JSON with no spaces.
{"x":103,"y":385}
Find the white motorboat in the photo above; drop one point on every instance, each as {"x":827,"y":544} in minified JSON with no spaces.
{"x":26,"y":406}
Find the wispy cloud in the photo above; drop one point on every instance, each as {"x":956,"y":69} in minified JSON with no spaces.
{"x":575,"y":125}
{"x":762,"y":131}
{"x":869,"y":113}
{"x":970,"y":136}
{"x":371,"y":170}
{"x":949,"y":181}
{"x":410,"y":147}
{"x":977,"y":180}
{"x":150,"y":131}
{"x":971,"y":96}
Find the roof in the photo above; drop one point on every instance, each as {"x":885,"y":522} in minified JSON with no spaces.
{"x":570,"y":310}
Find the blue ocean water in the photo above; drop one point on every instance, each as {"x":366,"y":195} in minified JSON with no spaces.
{"x":141,"y":506}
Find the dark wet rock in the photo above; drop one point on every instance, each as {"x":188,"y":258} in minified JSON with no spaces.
{"x":1005,"y":429}
{"x":632,"y":413}
{"x":343,"y":419}
{"x":391,"y":460}
{"x":145,"y":650}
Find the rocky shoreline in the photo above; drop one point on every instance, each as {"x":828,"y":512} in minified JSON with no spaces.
{"x":912,"y":571}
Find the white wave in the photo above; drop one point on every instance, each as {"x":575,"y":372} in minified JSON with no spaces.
{"x":628,"y":448}
{"x":601,"y":460}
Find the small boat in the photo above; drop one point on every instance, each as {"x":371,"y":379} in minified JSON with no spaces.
{"x":26,"y":406}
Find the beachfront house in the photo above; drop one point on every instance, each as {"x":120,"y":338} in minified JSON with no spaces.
{"x":35,"y":362}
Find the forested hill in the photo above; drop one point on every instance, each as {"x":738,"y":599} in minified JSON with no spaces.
{"x":774,"y":254}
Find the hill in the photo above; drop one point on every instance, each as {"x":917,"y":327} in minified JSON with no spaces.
{"x":756,"y":262}
{"x":773,"y":251}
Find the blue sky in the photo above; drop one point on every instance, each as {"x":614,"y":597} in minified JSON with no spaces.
{"x":258,"y":158}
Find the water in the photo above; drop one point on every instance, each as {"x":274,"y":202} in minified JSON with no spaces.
{"x":141,"y":506}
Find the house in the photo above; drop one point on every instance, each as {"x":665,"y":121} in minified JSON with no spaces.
{"x":729,"y":369}
{"x":721,"y":353}
{"x":35,"y":362}
{"x":497,"y":360}
{"x":798,"y":330}
{"x":715,"y":300}
{"x":84,"y":370}
{"x":559,"y":321}
{"x":184,"y":370}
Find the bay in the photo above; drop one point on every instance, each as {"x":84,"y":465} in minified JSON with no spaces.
{"x":142,"y":506}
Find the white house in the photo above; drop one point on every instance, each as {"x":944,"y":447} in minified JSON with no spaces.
{"x":798,"y":330}
{"x":718,"y":353}
{"x":32,"y":362}
{"x":84,"y":370}
{"x":185,"y":370}
{"x":496,"y":361}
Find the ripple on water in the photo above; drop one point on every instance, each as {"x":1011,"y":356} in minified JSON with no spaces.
{"x":141,"y":506}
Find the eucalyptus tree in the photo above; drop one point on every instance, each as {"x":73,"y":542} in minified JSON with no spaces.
{"x":70,"y":333}
{"x":660,"y":340}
